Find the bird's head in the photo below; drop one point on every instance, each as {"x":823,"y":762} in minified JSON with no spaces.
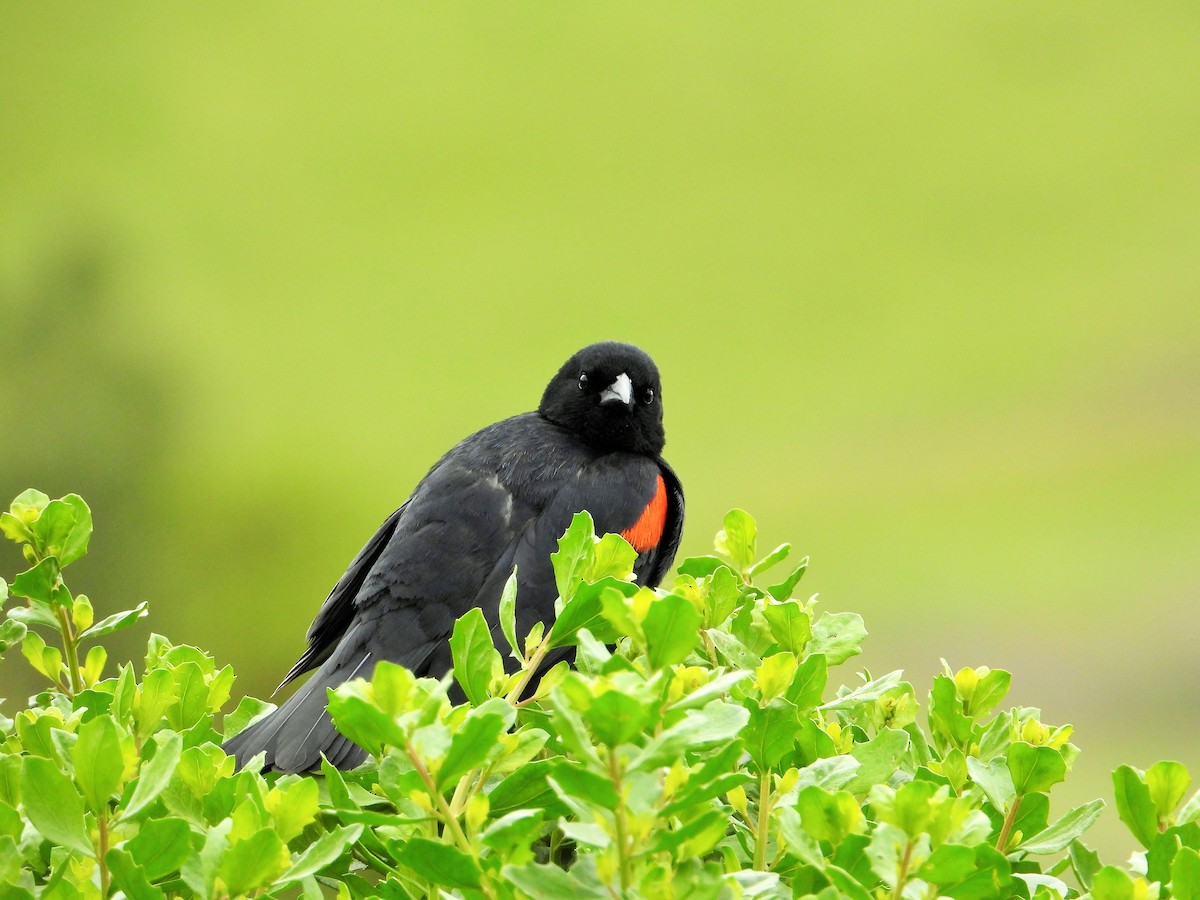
{"x":610,"y":395}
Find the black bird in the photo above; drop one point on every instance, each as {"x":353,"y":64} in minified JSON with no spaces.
{"x":500,"y":498}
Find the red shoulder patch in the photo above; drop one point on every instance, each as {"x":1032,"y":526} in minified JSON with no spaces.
{"x":646,"y":532}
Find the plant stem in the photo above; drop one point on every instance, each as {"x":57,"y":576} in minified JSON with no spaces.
{"x":67,"y":628}
{"x":1002,"y":840}
{"x":614,"y":769}
{"x":764,"y":821}
{"x":448,"y":816}
{"x":902,"y":877}
{"x":102,"y":824}
{"x":372,"y":861}
{"x":709,"y":648}
{"x":531,"y":666}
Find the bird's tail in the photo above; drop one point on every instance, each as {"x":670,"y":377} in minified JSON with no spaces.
{"x":294,"y":737}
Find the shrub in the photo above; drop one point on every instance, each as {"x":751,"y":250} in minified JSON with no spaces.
{"x":699,"y":749}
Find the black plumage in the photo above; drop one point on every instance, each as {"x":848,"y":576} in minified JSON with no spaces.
{"x":500,"y":498}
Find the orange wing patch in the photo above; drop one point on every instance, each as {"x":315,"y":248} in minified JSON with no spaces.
{"x":645,"y":533}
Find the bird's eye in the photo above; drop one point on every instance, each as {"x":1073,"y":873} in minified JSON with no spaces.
{"x":582,"y":380}
{"x":648,"y":396}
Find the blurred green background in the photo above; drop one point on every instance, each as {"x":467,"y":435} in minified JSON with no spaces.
{"x":922,"y":281}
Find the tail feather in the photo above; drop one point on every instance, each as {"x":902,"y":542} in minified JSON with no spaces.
{"x":294,"y":737}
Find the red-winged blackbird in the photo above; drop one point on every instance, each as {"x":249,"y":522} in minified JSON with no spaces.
{"x":500,"y":498}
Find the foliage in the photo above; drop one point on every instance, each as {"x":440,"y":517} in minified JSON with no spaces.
{"x":699,"y":749}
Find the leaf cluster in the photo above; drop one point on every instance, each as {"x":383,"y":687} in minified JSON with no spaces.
{"x":698,"y":748}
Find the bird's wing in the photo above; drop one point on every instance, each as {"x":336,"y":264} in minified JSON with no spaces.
{"x":429,"y":569}
{"x":337,"y":611}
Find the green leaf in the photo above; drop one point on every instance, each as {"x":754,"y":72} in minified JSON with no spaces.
{"x":34,"y":615}
{"x":776,"y":556}
{"x":723,"y":592}
{"x":1185,"y":875}
{"x":1111,"y":883}
{"x":357,"y":717}
{"x":161,"y":846}
{"x":575,"y":551}
{"x":774,"y":675}
{"x":770,"y":733}
{"x":738,"y":538}
{"x":712,"y":690}
{"x":527,"y":788}
{"x":1059,"y":835}
{"x":885,"y":852}
{"x":476,"y":740}
{"x":508,"y":615}
{"x":37,"y":583}
{"x":47,"y":660}
{"x":476,"y":660}
{"x":845,"y":886}
{"x":585,"y":609}
{"x":617,"y":718}
{"x":248,"y":710}
{"x":828,"y":816}
{"x":839,"y":636}
{"x":53,"y":804}
{"x":517,"y":829}
{"x":14,"y":529}
{"x":990,"y":879}
{"x":808,"y":684}
{"x":193,"y":697}
{"x":791,"y":625}
{"x":1168,"y":781}
{"x":1135,"y":807}
{"x":783,"y":590}
{"x":715,"y":723}
{"x":583,"y":784}
{"x":549,"y":882}
{"x":612,"y":557}
{"x":1190,"y":811}
{"x":130,"y":877}
{"x":321,"y":853}
{"x":99,"y":761}
{"x":1035,"y":769}
{"x":11,"y":632}
{"x":672,"y":629}
{"x":1085,"y":863}
{"x":158,"y":693}
{"x":29,"y":504}
{"x":948,"y":864}
{"x":699,"y":566}
{"x":200,"y":872}
{"x":990,"y":690}
{"x":439,"y":863}
{"x":879,"y":759}
{"x":52,"y":527}
{"x":293,"y":806}
{"x":617,"y":611}
{"x":253,"y":862}
{"x":63,"y":529}
{"x":116,"y":621}
{"x":76,"y":543}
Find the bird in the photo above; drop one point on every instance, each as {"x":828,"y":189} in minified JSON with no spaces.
{"x":498,"y":499}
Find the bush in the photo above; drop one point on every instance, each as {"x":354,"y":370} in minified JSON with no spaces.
{"x":706,"y":756}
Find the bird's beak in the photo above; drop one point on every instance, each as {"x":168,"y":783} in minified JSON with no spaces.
{"x":620,"y":391}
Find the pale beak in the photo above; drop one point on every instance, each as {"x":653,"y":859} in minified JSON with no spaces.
{"x":620,"y":390}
